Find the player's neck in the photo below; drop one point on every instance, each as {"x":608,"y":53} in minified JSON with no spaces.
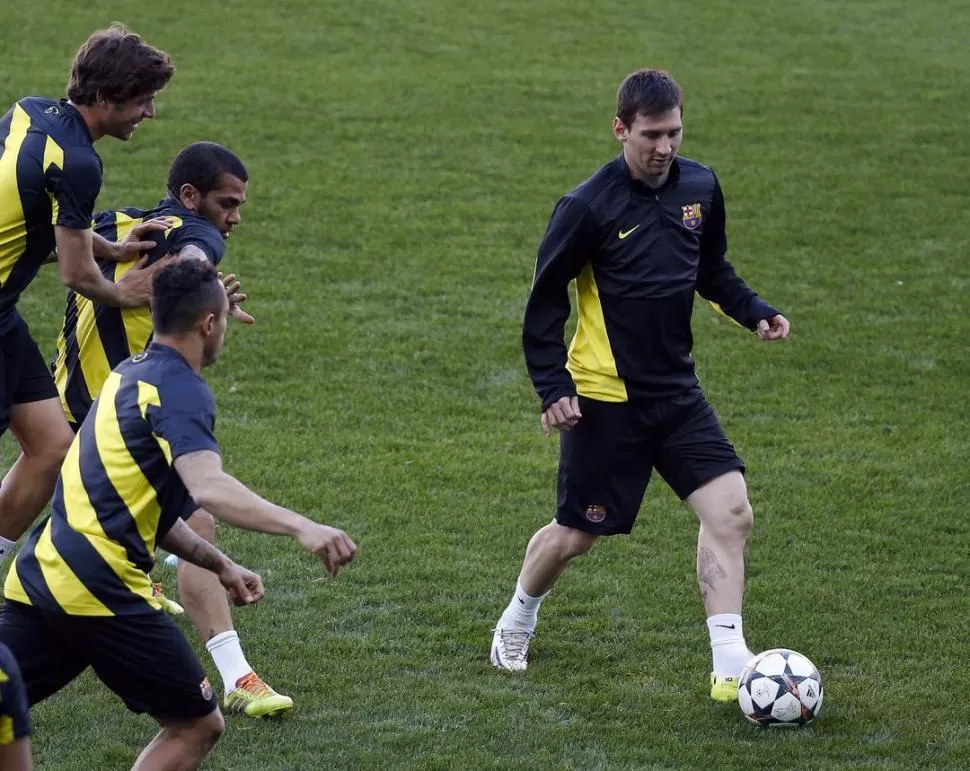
{"x":89,"y":116}
{"x":191,"y":350}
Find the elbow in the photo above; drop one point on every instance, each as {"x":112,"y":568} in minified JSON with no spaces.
{"x":205,"y":492}
{"x":75,"y":277}
{"x":72,"y":278}
{"x":204,"y":497}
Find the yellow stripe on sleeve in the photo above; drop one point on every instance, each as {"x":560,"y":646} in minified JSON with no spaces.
{"x":53,"y":156}
{"x":147,"y":396}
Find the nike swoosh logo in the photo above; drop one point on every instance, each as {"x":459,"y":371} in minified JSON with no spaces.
{"x":624,"y":233}
{"x":725,"y":626}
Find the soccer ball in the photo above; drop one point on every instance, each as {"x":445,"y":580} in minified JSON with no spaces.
{"x":780,"y":688}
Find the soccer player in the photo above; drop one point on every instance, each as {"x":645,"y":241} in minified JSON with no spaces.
{"x":50,"y":176}
{"x":79,"y":593}
{"x":640,"y":237}
{"x":14,"y":720}
{"x":206,"y":187}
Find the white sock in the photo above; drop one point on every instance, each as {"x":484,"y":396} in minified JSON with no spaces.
{"x":728,"y":649}
{"x":229,"y":659}
{"x":522,"y":612}
{"x":6,"y":547}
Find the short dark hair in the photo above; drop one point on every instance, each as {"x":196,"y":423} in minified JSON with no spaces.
{"x":182,"y":293}
{"x":120,"y":66}
{"x":200,"y":165}
{"x":647,"y":92}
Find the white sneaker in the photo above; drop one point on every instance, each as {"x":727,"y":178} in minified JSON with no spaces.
{"x":510,"y":649}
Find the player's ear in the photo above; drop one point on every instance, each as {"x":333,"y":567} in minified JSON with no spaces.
{"x":190,"y":196}
{"x":208,"y":324}
{"x":619,"y":130}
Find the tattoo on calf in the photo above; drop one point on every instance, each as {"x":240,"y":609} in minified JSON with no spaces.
{"x":709,"y":570}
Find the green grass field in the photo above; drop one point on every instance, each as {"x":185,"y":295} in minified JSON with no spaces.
{"x":404,"y":159}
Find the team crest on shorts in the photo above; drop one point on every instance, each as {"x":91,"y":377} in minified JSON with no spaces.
{"x":205,"y":688}
{"x":595,"y":513}
{"x":692,"y":215}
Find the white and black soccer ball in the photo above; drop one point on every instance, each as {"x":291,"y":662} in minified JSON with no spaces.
{"x":780,"y":688}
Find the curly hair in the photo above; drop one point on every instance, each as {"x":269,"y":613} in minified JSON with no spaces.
{"x":184,"y":292}
{"x":117,"y":65}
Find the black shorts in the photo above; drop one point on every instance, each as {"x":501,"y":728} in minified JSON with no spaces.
{"x":24,"y":376}
{"x":143,"y":658}
{"x":606,"y":459}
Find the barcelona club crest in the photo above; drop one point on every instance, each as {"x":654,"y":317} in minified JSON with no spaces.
{"x":692,"y":215}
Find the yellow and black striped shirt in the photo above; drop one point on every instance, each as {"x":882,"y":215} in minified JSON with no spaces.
{"x":50,"y":175}
{"x":117,"y":493}
{"x":14,"y":718}
{"x":95,"y":339}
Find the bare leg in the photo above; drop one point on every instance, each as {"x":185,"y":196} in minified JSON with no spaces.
{"x":208,"y":607}
{"x":726,"y":519}
{"x":725,"y":523}
{"x":181,"y":746}
{"x":205,"y":599}
{"x":548,"y":555}
{"x":45,"y":437}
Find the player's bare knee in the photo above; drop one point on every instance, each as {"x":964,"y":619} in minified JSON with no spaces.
{"x":200,"y":734}
{"x":570,"y":542}
{"x":208,"y":729}
{"x":203,"y":524}
{"x":217,"y":723}
{"x":51,"y":453}
{"x":738,"y":520}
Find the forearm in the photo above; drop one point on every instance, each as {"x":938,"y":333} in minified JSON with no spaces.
{"x":79,"y":271}
{"x":106,"y":249}
{"x":717,"y":281}
{"x":567,"y":247}
{"x":545,"y":351}
{"x":733,"y":297}
{"x":184,"y":543}
{"x":228,"y":499}
{"x":91,"y":284}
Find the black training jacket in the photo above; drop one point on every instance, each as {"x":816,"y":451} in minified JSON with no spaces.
{"x":638,"y":255}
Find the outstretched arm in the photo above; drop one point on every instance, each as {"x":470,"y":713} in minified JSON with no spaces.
{"x":79,"y":271}
{"x":133,"y":244}
{"x":227,"y":499}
